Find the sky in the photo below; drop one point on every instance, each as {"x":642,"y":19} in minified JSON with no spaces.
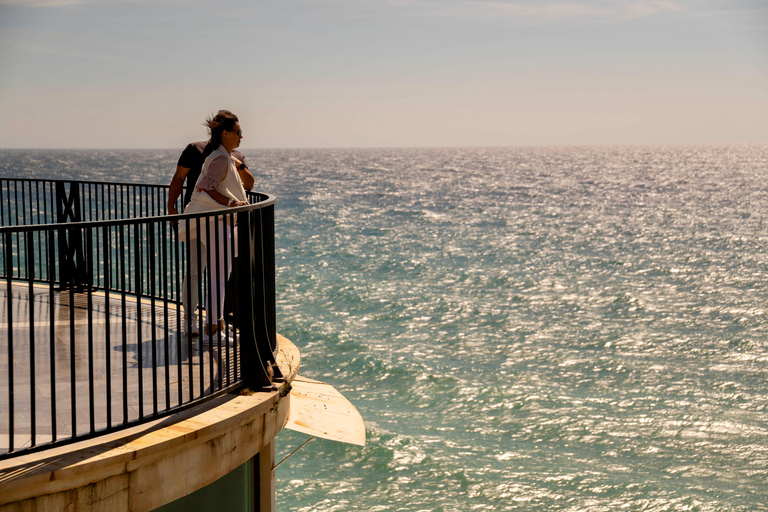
{"x":383,"y":73}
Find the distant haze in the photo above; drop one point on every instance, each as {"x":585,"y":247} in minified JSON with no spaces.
{"x":397,"y":73}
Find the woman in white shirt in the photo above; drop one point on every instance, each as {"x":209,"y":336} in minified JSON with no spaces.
{"x":221,"y":185}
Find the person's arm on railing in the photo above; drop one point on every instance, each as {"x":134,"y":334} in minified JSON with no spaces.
{"x":174,"y":190}
{"x":222,"y":199}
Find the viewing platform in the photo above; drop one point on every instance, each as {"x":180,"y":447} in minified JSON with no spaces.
{"x":106,"y":403}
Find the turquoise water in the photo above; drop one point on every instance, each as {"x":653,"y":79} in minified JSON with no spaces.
{"x":522,"y":328}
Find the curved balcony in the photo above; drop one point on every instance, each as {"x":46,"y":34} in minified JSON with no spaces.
{"x":92,"y":328}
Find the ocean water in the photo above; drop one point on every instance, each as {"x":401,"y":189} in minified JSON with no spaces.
{"x":532,"y":329}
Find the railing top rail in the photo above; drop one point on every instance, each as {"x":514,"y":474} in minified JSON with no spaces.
{"x":263,"y":199}
{"x":89,"y":182}
{"x":134,"y":220}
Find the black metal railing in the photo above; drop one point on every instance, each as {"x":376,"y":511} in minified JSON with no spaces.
{"x":94,"y":336}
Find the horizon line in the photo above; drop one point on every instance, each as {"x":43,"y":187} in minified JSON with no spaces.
{"x":490,"y":146}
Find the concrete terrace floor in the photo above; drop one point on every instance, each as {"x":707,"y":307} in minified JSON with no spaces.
{"x":57,"y":343}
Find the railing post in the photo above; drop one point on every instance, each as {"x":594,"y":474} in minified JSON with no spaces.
{"x":8,"y":257}
{"x":72,"y":266}
{"x":256,"y":296}
{"x":267,"y":222}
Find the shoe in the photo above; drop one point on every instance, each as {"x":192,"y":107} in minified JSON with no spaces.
{"x":193,"y":325}
{"x":194,"y":329}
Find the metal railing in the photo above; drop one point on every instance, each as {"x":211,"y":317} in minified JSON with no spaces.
{"x":93,"y":333}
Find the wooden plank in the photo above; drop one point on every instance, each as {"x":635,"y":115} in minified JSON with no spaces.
{"x":318,"y":409}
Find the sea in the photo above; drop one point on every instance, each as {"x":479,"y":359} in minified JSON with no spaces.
{"x":522,"y":328}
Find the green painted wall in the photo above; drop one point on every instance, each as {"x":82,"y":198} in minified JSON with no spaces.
{"x":233,"y":492}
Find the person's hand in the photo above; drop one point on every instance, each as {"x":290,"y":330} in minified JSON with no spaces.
{"x":172,"y":211}
{"x":239,"y":203}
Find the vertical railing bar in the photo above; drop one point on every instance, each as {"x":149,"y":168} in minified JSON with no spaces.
{"x":12,"y":218}
{"x":124,"y":315}
{"x":24,"y":205}
{"x":136,"y":274}
{"x":111,"y":192}
{"x":95,"y":193}
{"x":236,"y":309}
{"x":52,"y":202}
{"x":218,"y":310}
{"x":96,"y":267}
{"x":3,"y":201}
{"x":16,"y":208}
{"x":89,"y":298}
{"x":179,"y":294}
{"x":84,"y":201}
{"x":21,"y":246}
{"x":52,"y":317}
{"x":72,"y":372}
{"x":139,"y":278}
{"x":16,"y":214}
{"x":200,"y":280}
{"x":151,"y":278}
{"x":106,"y":241}
{"x":39,"y":233}
{"x":164,"y":273}
{"x":201,"y":298}
{"x":104,"y":201}
{"x":189,"y":291}
{"x":8,"y":251}
{"x":32,"y":381}
{"x":227,"y":230}
{"x":270,"y":270}
{"x":41,"y":206}
{"x":208,"y":314}
{"x":238,"y":313}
